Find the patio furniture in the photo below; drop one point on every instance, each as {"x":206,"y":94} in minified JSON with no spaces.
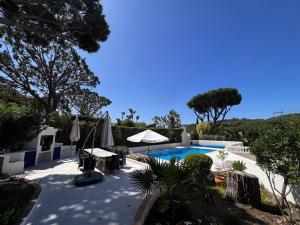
{"x":113,"y":164}
{"x":99,"y":153}
{"x":148,"y":136}
{"x":86,"y":161}
{"x":122,"y":160}
{"x":103,"y":158}
{"x":91,"y":176}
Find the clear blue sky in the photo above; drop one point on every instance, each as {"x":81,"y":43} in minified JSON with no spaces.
{"x":161,"y":53}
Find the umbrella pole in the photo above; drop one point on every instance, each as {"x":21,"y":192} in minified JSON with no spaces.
{"x":92,"y":151}
{"x":93,"y":143}
{"x":71,"y":148}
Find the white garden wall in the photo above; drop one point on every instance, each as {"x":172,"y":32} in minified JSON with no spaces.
{"x":153,"y":147}
{"x":67,"y":151}
{"x":212,"y":142}
{"x":13,"y":163}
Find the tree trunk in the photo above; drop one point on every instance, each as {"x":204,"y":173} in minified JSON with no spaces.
{"x":283,"y":191}
{"x":243,"y":188}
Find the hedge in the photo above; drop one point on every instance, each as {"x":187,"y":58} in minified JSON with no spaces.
{"x":120,"y":133}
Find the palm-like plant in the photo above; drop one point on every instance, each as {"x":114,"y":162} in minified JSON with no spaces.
{"x":132,"y":112}
{"x":170,"y":178}
{"x":167,"y":177}
{"x":123,"y":114}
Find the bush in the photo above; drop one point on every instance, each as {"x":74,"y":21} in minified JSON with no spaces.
{"x":203,"y":128}
{"x":15,"y":195}
{"x":239,"y":165}
{"x":18,"y":125}
{"x":120,"y":133}
{"x":232,"y":219}
{"x":200,"y":164}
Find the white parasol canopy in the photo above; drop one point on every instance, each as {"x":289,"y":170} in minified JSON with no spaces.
{"x":75,"y":132}
{"x":107,"y":137}
{"x":148,"y":136}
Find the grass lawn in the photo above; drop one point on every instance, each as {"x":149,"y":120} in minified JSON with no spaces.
{"x":15,"y":195}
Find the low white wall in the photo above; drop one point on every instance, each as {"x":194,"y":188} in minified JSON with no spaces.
{"x":16,"y":156}
{"x":152,"y":147}
{"x":223,"y":143}
{"x":13,"y":163}
{"x":58,"y":144}
{"x":67,"y":151}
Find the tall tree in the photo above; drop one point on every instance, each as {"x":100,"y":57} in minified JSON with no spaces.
{"x":172,"y":120}
{"x":88,"y":103}
{"x":47,"y":74}
{"x":131,"y":114}
{"x":80,"y":22}
{"x":214,"y":105}
{"x":123,"y":114}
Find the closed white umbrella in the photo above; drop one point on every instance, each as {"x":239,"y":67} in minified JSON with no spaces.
{"x":75,"y":133}
{"x":107,"y":137}
{"x":148,"y":136}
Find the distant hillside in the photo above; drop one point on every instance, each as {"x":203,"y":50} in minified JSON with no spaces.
{"x":289,"y":117}
{"x":235,"y":121}
{"x":245,"y":130}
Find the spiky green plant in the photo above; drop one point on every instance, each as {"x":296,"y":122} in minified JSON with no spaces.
{"x":170,"y":178}
{"x":239,"y":165}
{"x":164,"y":176}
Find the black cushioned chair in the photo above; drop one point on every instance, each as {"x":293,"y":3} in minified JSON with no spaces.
{"x":113,"y":164}
{"x":85,"y":160}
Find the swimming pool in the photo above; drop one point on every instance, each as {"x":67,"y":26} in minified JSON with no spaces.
{"x":209,"y":145}
{"x":179,"y":153}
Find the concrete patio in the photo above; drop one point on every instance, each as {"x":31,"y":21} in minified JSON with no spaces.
{"x":113,"y":201}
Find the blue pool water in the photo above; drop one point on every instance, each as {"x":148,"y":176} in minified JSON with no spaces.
{"x":209,"y":145}
{"x":179,"y":153}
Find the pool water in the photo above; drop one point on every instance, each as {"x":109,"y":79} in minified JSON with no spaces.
{"x":209,"y":145}
{"x":179,"y":153}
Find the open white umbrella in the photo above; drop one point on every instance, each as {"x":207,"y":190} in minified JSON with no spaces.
{"x":148,"y":136}
{"x":107,"y":137}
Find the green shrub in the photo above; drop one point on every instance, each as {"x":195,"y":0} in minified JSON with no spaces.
{"x":9,"y":215}
{"x":200,"y":164}
{"x":120,"y":133}
{"x":232,"y":219}
{"x":239,"y":165}
{"x":18,"y":125}
{"x":15,"y":194}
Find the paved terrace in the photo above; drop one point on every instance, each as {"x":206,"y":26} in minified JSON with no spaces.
{"x":113,"y":201}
